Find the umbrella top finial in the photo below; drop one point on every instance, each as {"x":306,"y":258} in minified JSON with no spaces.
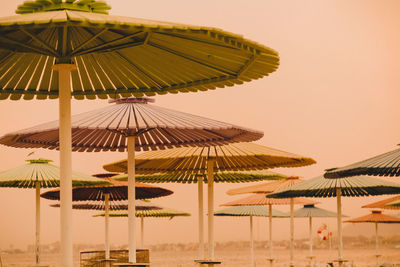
{"x":56,"y":5}
{"x":139,"y":100}
{"x":376,"y":212}
{"x":39,"y":161}
{"x":309,"y":206}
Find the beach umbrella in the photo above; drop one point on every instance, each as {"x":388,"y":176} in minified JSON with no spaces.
{"x":40,"y":173}
{"x":209,"y":160}
{"x":57,"y":48}
{"x":118,"y":190}
{"x":143,"y":213}
{"x":250,"y":211}
{"x":386,"y":164}
{"x":375,"y":217}
{"x":394,"y":204}
{"x":132,"y":124}
{"x":384,"y":204}
{"x":267,"y":188}
{"x":348,"y":187}
{"x":113,"y":205}
{"x":309,"y":211}
{"x":259,"y":199}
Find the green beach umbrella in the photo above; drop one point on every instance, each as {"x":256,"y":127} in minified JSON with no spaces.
{"x":158,"y":212}
{"x":386,"y":164}
{"x":350,"y":187}
{"x":73,"y":48}
{"x":375,"y":217}
{"x":250,"y":211}
{"x":40,"y":173}
{"x":309,"y":211}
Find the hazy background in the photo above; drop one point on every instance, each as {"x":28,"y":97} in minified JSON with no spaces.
{"x":334,"y":98}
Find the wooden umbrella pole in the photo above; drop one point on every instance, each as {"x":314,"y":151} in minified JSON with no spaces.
{"x":311,"y":243}
{"x":251,"y":243}
{"x":65,"y":140}
{"x":210,"y":183}
{"x":291,"y":264}
{"x":37,"y":241}
{"x":106,"y":221}
{"x":339,"y":225}
{"x":376,"y":244}
{"x":141,"y":231}
{"x":201,"y":217}
{"x":271,"y":261}
{"x":131,"y":200}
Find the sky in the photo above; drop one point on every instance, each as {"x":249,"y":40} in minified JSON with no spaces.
{"x":334,"y":98}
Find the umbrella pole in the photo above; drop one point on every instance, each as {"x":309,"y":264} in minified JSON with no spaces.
{"x":271,"y":261}
{"x":291,"y":232}
{"x":210,"y":183}
{"x":106,"y":221}
{"x":376,"y":244}
{"x":311,"y":243}
{"x":65,"y":139}
{"x":201,"y":217}
{"x":131,"y":200}
{"x":251,"y":243}
{"x":141,"y":232}
{"x":37,"y":243}
{"x":339,"y":224}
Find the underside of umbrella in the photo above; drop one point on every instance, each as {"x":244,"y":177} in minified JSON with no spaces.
{"x":260,"y":211}
{"x":117,"y":191}
{"x":375,"y":217}
{"x":232,"y":157}
{"x":106,"y":129}
{"x":261,"y":199}
{"x":163,"y":212}
{"x":387,"y":164}
{"x":384,"y":204}
{"x":119,"y":56}
{"x":219,"y":177}
{"x":349,"y":187}
{"x":41,"y":170}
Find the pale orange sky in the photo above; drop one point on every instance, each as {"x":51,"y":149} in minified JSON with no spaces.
{"x":334,"y":97}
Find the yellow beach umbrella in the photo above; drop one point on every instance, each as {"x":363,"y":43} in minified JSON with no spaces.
{"x":208,"y":161}
{"x":73,"y":48}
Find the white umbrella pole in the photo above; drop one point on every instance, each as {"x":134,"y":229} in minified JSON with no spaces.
{"x":311,"y":243}
{"x":131,"y":200}
{"x":65,"y":139}
{"x":377,"y":244}
{"x":201,"y":217}
{"x":271,"y":261}
{"x":37,"y":242}
{"x":141,"y":231}
{"x":210,"y":180}
{"x":339,"y":225}
{"x":251,"y":243}
{"x":106,"y":221}
{"x":291,"y":232}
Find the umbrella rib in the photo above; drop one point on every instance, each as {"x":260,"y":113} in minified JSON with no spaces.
{"x":79,"y":47}
{"x":30,"y":48}
{"x":37,"y":39}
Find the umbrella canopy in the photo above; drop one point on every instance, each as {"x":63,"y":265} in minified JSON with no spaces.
{"x":261,"y":199}
{"x":251,"y":210}
{"x":387,"y":164}
{"x":266,"y":188}
{"x":42,"y":171}
{"x":394,"y":204}
{"x":155,"y":127}
{"x":219,"y":177}
{"x":117,"y":191}
{"x":119,"y":56}
{"x":384,"y":204}
{"x":376,"y":216}
{"x":310,"y":210}
{"x":232,"y":157}
{"x":113,"y":205}
{"x":163,"y":212}
{"x":349,"y":187}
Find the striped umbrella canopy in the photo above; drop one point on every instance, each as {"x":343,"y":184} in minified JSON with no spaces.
{"x":219,"y":177}
{"x":309,"y":211}
{"x":375,"y":217}
{"x":250,"y":211}
{"x":59,"y":48}
{"x":266,"y":188}
{"x":384,"y":204}
{"x":386,"y":164}
{"x":158,"y":213}
{"x":347,"y":186}
{"x":394,"y":204}
{"x":114,"y":205}
{"x":40,"y":173}
{"x":210,"y":160}
{"x":260,"y":199}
